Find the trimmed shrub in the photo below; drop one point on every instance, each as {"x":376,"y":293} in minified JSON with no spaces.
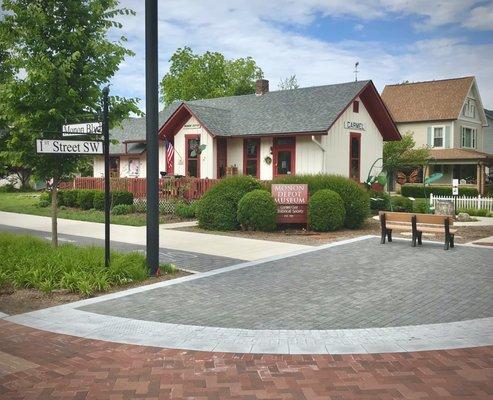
{"x":184,"y":210}
{"x":44,"y":203}
{"x":257,"y":211}
{"x":416,"y":190}
{"x":474,"y":212}
{"x":217,"y":209}
{"x":45,"y":197}
{"x":121,"y":197}
{"x":401,"y":204}
{"x":122,"y":209}
{"x":98,"y":202}
{"x":70,"y":197}
{"x":355,"y":197}
{"x":85,"y":198}
{"x":379,"y":201}
{"x":326,"y":211}
{"x":421,"y":206}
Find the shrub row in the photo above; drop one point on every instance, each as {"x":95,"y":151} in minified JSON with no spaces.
{"x":476,"y":212}
{"x":416,"y":190}
{"x":88,"y":198}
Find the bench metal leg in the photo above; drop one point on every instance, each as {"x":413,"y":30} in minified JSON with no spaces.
{"x":414,"y":241}
{"x":389,"y":235}
{"x":382,"y":239}
{"x":452,"y":241}
{"x":420,"y":238}
{"x":447,"y":242}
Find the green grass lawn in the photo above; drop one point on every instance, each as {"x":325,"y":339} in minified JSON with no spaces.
{"x":27,"y":203}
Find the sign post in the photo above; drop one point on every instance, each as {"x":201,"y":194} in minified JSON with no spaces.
{"x":152,"y":111}
{"x":292,"y":203}
{"x":455,"y":193}
{"x":107,"y":203}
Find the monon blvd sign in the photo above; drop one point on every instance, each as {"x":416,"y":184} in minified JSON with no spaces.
{"x":87,"y":128}
{"x":292,"y":203}
{"x":53,"y":146}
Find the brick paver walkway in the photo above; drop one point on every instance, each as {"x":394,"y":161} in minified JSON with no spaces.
{"x":40,"y":365}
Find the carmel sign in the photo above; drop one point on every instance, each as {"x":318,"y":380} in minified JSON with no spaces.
{"x":354,"y":125}
{"x":292,"y":202}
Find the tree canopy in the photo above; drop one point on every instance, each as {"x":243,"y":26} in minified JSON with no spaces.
{"x":403,"y":155}
{"x":60,"y":57}
{"x":288,"y":83}
{"x":192,"y":76}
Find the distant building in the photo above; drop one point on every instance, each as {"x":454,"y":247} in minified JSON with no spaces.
{"x":333,"y":129}
{"x":448,"y":117}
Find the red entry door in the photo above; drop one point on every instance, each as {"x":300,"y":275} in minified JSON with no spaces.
{"x":284,"y":150}
{"x":222,"y":157}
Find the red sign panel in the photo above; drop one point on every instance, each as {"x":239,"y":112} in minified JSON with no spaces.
{"x":292,"y":202}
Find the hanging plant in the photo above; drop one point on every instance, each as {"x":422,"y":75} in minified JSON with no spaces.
{"x":268,"y":160}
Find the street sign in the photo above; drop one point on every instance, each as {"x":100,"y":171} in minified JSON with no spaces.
{"x":54,"y":146}
{"x":87,"y":128}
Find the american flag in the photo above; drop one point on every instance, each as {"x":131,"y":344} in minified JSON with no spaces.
{"x":170,"y":150}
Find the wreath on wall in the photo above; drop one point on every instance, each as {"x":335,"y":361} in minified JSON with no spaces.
{"x":268,"y":160}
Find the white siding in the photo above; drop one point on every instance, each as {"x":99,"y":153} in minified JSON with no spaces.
{"x":98,"y":167}
{"x":235,"y":153}
{"x":309,"y":155}
{"x":265,"y":150}
{"x":207,"y":165}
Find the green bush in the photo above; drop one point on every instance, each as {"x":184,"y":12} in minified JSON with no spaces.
{"x":326,"y":211}
{"x":69,"y":197}
{"x":416,"y":190}
{"x":401,"y":204}
{"x":44,"y":203}
{"x":379,"y":201}
{"x":98,"y":202}
{"x":85,"y":198}
{"x":29,"y":262}
{"x":8,"y":188}
{"x":122,"y":209}
{"x":257,"y":211}
{"x":217,"y":209}
{"x":121,"y":197}
{"x":185,"y":210}
{"x":45,"y":197}
{"x":355,"y":197}
{"x":474,"y":212}
{"x":421,"y":206}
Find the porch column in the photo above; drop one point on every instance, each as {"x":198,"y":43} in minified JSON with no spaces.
{"x":480,"y":178}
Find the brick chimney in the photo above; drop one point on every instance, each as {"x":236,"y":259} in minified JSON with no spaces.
{"x":261,"y":87}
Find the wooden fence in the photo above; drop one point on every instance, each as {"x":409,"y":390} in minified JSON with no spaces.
{"x":466,"y":201}
{"x":185,"y":188}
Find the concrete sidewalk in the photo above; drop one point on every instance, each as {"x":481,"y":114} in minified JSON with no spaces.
{"x":226,"y":246}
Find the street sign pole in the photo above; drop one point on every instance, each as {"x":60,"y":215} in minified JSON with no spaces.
{"x":152,"y":110}
{"x":107,"y":204}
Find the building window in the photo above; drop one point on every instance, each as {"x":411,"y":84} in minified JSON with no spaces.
{"x":437,"y":138}
{"x":356,"y":106}
{"x":251,"y":154}
{"x":469,"y":109}
{"x":355,"y":156}
{"x":468,"y":138}
{"x":114,"y":167}
{"x":192,"y":143}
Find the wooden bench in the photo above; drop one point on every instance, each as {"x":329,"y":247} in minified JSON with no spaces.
{"x":417,"y":224}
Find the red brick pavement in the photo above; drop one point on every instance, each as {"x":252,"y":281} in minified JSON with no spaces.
{"x":41,"y":365}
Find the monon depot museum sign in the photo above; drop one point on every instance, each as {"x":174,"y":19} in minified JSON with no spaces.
{"x":54,"y":146}
{"x":292,"y":203}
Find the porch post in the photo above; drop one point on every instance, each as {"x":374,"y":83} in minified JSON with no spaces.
{"x":480,"y":178}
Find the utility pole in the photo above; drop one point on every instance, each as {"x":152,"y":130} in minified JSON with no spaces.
{"x":152,"y":111}
{"x":107,"y":202}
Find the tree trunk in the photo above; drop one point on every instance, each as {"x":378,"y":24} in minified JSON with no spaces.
{"x":54,"y":212}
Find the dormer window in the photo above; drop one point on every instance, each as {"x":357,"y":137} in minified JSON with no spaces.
{"x":356,"y":106}
{"x":469,"y":109}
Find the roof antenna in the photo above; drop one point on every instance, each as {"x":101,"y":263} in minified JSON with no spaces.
{"x":356,"y":65}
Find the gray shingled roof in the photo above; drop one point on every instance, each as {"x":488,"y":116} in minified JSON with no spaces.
{"x":311,"y":109}
{"x":489,"y":113}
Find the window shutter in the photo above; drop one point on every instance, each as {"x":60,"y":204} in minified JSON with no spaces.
{"x":447,"y":137}
{"x":429,"y":137}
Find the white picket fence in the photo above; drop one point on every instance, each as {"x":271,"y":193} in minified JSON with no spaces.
{"x":466,"y":201}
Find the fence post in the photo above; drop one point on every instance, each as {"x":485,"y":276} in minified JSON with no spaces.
{"x":479,"y":201}
{"x":431,"y":199}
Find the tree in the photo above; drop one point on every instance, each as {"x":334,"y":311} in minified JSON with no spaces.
{"x":61,"y":58}
{"x":192,"y":76}
{"x":402,"y":155}
{"x":288,"y":83}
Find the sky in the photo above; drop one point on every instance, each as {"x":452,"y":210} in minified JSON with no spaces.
{"x":320,"y":40}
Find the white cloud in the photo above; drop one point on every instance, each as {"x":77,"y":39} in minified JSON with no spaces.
{"x":480,"y":18}
{"x":358,"y":27}
{"x":239,"y":29}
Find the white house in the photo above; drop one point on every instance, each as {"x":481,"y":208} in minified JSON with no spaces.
{"x":334,"y":129}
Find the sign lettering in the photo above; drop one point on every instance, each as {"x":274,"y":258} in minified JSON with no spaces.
{"x":354,"y":125}
{"x":87,"y":128}
{"x":51,"y":146}
{"x":292,"y":201}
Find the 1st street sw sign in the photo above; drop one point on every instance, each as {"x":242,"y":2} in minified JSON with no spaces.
{"x":53,"y":146}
